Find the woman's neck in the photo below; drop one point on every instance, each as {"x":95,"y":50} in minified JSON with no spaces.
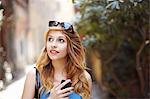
{"x":59,"y":70}
{"x":59,"y":66}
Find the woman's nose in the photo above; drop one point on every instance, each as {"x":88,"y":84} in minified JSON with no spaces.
{"x":54,"y":45}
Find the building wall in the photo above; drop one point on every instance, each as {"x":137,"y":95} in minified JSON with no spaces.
{"x":20,"y":35}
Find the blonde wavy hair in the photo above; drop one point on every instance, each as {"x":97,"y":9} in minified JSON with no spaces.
{"x":75,"y":65}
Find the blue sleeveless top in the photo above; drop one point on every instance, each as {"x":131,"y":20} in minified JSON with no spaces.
{"x":44,"y":95}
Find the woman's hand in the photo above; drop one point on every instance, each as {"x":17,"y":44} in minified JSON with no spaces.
{"x":58,"y":93}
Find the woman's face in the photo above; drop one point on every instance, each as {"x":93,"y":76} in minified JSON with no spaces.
{"x":56,"y":45}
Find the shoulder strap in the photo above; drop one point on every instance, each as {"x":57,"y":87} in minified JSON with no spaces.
{"x":37,"y":84}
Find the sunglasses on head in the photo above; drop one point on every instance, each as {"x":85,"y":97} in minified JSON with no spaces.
{"x":67,"y":26}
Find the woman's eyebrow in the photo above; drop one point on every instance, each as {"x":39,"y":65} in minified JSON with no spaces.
{"x":50,"y":36}
{"x":61,"y":37}
{"x":56,"y":36}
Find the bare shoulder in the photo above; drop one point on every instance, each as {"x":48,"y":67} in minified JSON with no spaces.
{"x":31,"y":73}
{"x":31,"y":76}
{"x":29,"y":85}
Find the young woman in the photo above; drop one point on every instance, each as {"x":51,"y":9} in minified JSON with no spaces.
{"x":62,"y":58}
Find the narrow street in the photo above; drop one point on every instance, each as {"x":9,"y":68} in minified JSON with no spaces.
{"x":15,"y":89}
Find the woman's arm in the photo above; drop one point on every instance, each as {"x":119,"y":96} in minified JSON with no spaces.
{"x":29,"y":86}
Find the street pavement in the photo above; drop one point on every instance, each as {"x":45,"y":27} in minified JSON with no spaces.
{"x":15,"y":89}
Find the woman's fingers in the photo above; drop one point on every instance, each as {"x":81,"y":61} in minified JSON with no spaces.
{"x":63,"y":84}
{"x":66,"y":94}
{"x":65,"y":98}
{"x":69,"y":89}
{"x":54,"y":88}
{"x":60,"y":93}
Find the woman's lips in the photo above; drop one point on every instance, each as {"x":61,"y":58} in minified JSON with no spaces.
{"x":53,"y":52}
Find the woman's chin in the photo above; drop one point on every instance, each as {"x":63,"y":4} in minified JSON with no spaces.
{"x":56,"y":58}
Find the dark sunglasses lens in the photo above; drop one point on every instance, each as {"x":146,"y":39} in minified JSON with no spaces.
{"x":53,"y":23}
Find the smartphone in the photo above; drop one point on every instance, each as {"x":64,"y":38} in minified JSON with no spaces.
{"x":67,"y":85}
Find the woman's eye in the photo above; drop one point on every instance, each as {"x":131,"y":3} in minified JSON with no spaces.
{"x":50,"y":39}
{"x":61,"y":40}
